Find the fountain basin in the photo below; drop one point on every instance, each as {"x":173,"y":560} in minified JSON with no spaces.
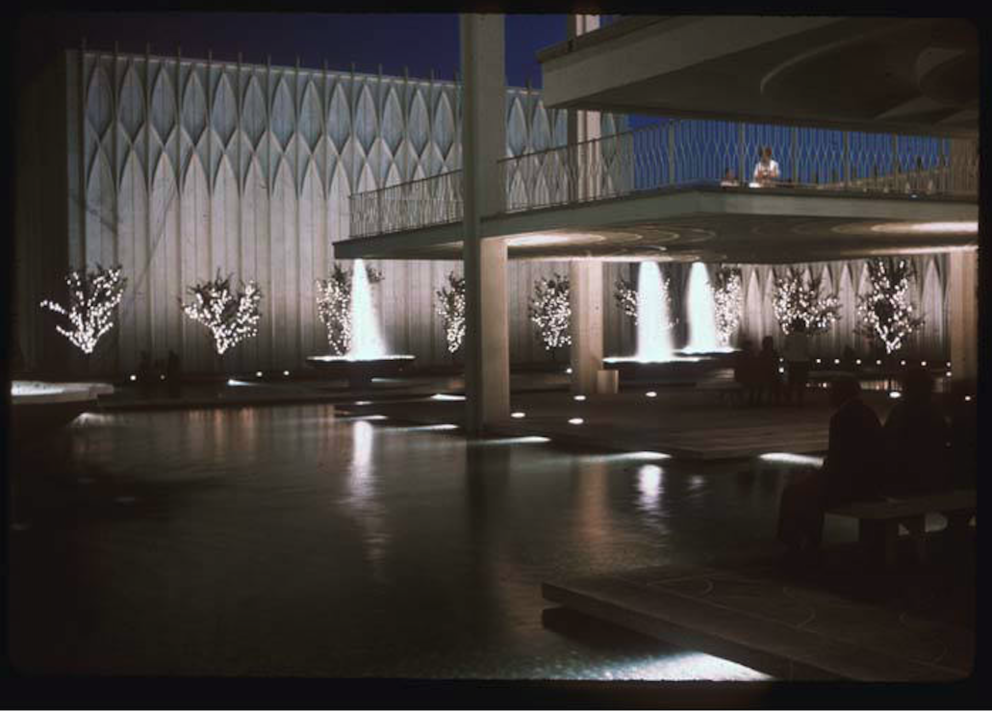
{"x":38,"y":408}
{"x":678,"y":370}
{"x":360,"y":371}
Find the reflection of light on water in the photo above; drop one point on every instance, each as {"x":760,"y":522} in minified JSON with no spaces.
{"x":368,"y":512}
{"x":428,"y":428}
{"x":701,"y":311}
{"x":686,"y":666}
{"x":788,"y":458}
{"x":650,"y":486}
{"x":445,"y":397}
{"x":534,"y":439}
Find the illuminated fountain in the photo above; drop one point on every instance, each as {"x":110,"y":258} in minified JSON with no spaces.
{"x":701,"y":312}
{"x":367,"y":356}
{"x":655,"y":355}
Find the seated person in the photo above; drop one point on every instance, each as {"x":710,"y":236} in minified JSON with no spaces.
{"x":852,"y":470}
{"x":766,"y":171}
{"x":916,"y":440}
{"x":729,"y":179}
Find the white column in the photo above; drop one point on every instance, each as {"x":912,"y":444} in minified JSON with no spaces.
{"x":487,"y":348}
{"x":585,"y":277}
{"x":962,"y":308}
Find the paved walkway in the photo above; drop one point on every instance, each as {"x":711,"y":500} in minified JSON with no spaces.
{"x":836,"y":623}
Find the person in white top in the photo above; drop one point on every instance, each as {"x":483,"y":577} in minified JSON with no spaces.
{"x":766,"y":171}
{"x":796,"y":354}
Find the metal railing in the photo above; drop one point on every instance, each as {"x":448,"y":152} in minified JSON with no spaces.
{"x":420,"y":203}
{"x":686,"y":153}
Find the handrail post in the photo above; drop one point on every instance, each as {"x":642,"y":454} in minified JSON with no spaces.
{"x":671,"y":152}
{"x":740,"y":154}
{"x":793,"y":153}
{"x":847,"y":160}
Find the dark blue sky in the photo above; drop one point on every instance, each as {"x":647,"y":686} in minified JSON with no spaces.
{"x":421,"y":42}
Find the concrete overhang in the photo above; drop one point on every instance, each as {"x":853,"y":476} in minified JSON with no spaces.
{"x":709,"y":224}
{"x":872,"y":74}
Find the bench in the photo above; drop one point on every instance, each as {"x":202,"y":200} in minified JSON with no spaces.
{"x":879,"y":521}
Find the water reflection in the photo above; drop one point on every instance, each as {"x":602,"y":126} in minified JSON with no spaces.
{"x":365,"y":509}
{"x":312,"y":545}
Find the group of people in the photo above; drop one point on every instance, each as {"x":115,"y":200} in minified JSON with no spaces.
{"x":758,"y":373}
{"x":910,"y":455}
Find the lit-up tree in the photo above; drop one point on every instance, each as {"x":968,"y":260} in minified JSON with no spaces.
{"x":93,"y":297}
{"x":451,"y":309}
{"x":334,"y":305}
{"x":551,"y":311}
{"x":885,"y":314}
{"x":798,"y":297}
{"x":728,"y":298}
{"x":231,"y":316}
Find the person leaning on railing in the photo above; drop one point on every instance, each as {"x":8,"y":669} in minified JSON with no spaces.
{"x":766,"y":171}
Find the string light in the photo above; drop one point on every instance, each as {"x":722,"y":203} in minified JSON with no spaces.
{"x":885,"y":313}
{"x":93,"y":297}
{"x":551,"y":311}
{"x":728,"y":298}
{"x":334,"y":305}
{"x":799,"y":298}
{"x":451,"y":309}
{"x":231,"y":317}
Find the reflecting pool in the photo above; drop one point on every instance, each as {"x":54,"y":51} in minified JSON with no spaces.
{"x":294,"y":540}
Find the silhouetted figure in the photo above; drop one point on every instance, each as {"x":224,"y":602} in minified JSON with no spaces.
{"x":173,"y":376}
{"x":964,"y":439}
{"x":916,"y":440}
{"x":145,"y":375}
{"x":745,"y":370}
{"x":767,"y":367}
{"x":849,"y":358}
{"x":851,"y":471}
{"x":796,"y":354}
{"x":729,"y":179}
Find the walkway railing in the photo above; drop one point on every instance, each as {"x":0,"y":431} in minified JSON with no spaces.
{"x":421,"y":203}
{"x":686,"y":153}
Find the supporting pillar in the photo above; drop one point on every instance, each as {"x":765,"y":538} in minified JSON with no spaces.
{"x":586,"y":325}
{"x":585,"y":277}
{"x":487,"y":347}
{"x":962,"y":307}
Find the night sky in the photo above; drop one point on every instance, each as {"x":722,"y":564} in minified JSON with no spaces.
{"x":422,"y":42}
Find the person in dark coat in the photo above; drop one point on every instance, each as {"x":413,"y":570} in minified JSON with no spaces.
{"x":851,"y":471}
{"x":745,"y":366}
{"x":916,"y":440}
{"x":767,"y":372}
{"x":145,"y":374}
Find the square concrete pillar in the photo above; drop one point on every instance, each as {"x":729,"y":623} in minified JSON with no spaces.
{"x":586,"y":325}
{"x":962,"y":308}
{"x":487,"y":349}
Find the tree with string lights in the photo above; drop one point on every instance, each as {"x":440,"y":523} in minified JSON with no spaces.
{"x":334,"y":305}
{"x":885,"y":314}
{"x":451,"y":309}
{"x":232,"y":316}
{"x":802,"y":298}
{"x":728,"y":298}
{"x":550,"y":311}
{"x":93,"y":297}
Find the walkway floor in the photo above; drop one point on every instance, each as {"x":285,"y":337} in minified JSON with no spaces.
{"x":839,"y":622}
